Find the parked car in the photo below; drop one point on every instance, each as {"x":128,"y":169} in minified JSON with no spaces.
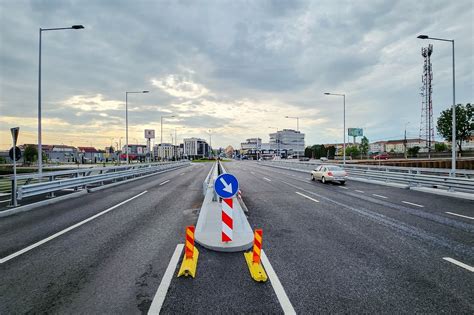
{"x":381,"y":156}
{"x":323,"y":159}
{"x":329,"y":173}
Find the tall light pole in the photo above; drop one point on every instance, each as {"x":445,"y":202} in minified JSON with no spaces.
{"x":161,"y":130}
{"x":210,"y":142}
{"x":297,"y":129}
{"x":453,"y":145}
{"x":126,"y":118}
{"x":344,"y":123}
{"x":40,"y":145}
{"x":405,"y":140}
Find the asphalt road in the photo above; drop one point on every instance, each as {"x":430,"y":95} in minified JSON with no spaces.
{"x":360,"y":248}
{"x":111,"y":264}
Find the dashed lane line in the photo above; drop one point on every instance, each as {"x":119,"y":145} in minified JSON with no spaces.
{"x":307,"y":197}
{"x":458,"y":263}
{"x":166,"y":181}
{"x":72,"y":227}
{"x":360,"y":191}
{"x":380,"y":196}
{"x":342,"y":187}
{"x":160,"y":295}
{"x":413,"y":204}
{"x":460,"y":215}
{"x":267,"y":179}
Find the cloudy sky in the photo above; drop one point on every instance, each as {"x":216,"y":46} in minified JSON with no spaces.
{"x":234,"y":67}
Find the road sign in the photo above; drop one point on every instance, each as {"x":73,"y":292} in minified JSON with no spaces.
{"x":149,"y":134}
{"x":355,"y":132}
{"x":15,"y":131}
{"x":226,"y":185}
{"x":17,"y":153}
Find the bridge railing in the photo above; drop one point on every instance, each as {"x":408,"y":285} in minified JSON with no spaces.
{"x":51,"y":182}
{"x":433,"y":178}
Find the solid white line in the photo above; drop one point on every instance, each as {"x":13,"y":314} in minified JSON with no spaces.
{"x":343,"y":187}
{"x":460,"y":215}
{"x":160,"y":294}
{"x":303,"y":195}
{"x":379,"y":196}
{"x":361,"y":191}
{"x":268,"y":180}
{"x":413,"y":204}
{"x":277,"y":287}
{"x":72,"y":227}
{"x":460,"y":264}
{"x":166,"y":181}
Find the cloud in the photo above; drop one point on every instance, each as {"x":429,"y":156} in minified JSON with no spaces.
{"x":180,"y":86}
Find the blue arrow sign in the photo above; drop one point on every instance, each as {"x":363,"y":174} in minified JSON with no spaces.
{"x":226,"y":185}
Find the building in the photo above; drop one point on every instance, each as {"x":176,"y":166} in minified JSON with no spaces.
{"x":135,"y":152}
{"x":62,"y":153}
{"x":88,"y":155}
{"x":229,"y":151}
{"x":195,"y":148}
{"x":398,"y":146}
{"x":377,"y":147}
{"x":287,"y":142}
{"x":166,"y":151}
{"x":251,"y":144}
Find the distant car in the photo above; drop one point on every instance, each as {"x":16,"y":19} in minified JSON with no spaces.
{"x":381,"y":156}
{"x":329,"y":173}
{"x":323,"y":159}
{"x":304,"y":158}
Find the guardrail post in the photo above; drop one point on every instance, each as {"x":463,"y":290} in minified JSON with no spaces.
{"x":51,"y":194}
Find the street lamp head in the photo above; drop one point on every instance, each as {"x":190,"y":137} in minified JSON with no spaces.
{"x":77,"y":27}
{"x":326,"y":93}
{"x":423,"y":36}
{"x":145,"y":91}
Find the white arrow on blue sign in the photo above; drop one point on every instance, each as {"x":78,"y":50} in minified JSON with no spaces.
{"x":226,"y":185}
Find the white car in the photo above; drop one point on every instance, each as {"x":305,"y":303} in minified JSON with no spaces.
{"x":329,"y":173}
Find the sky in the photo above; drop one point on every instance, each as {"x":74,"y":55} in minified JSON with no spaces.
{"x":227,"y":69}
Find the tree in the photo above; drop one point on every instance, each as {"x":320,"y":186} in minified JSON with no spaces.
{"x":30,"y":154}
{"x":364,"y":146}
{"x":464,"y":123}
{"x":352,"y":151}
{"x":413,"y":151}
{"x":441,"y":147}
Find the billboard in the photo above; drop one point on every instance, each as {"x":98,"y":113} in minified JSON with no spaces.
{"x":355,"y":132}
{"x":149,"y":134}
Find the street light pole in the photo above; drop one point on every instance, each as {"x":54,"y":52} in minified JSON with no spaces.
{"x":453,"y":144}
{"x":297,"y":129}
{"x":405,"y":140}
{"x":344,"y":124}
{"x":40,"y":144}
{"x":126,"y":119}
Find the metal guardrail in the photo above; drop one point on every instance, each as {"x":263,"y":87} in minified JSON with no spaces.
{"x":83,"y":177}
{"x":412,"y":177}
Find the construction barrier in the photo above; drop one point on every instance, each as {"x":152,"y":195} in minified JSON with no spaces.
{"x":227,"y":220}
{"x":253,"y":258}
{"x":191,"y":254}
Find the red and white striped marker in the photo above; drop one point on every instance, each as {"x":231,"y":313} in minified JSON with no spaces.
{"x":227,"y":220}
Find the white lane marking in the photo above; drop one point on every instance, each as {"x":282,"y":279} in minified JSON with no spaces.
{"x":72,"y":227}
{"x":182,"y":173}
{"x":277,"y":287}
{"x":343,"y":187}
{"x":460,"y":264}
{"x":253,"y":173}
{"x":361,"y":191}
{"x":267,"y":179}
{"x":166,"y":181}
{"x":160,"y":294}
{"x":460,"y":215}
{"x":379,"y":196}
{"x":307,"y":197}
{"x":413,"y":204}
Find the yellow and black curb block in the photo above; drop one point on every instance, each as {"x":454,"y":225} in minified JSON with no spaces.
{"x":191,"y":254}
{"x":253,"y":258}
